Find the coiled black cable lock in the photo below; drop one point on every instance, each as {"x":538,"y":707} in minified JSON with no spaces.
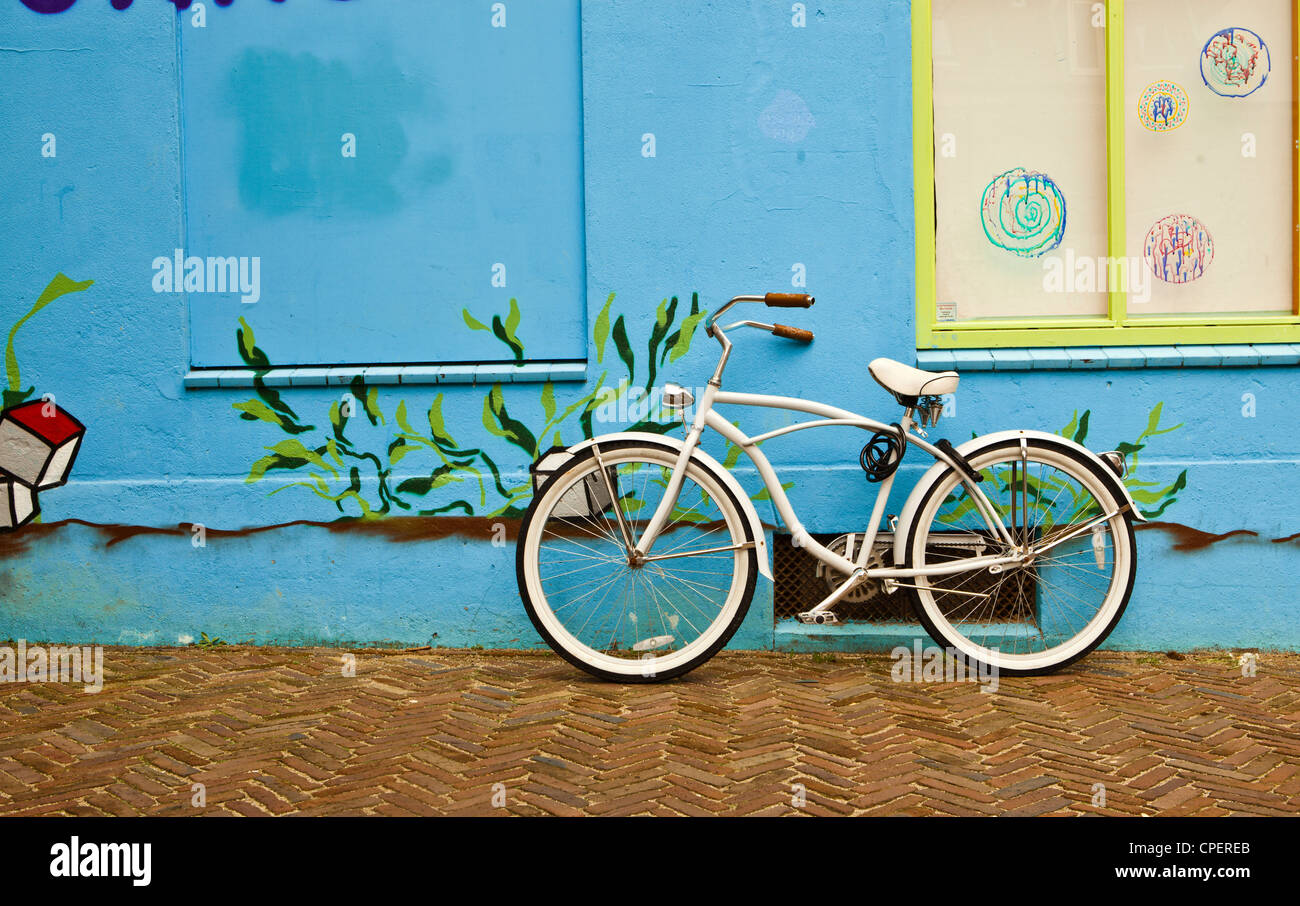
{"x":882,"y":455}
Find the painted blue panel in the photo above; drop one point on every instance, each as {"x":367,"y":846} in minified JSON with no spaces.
{"x":468,"y":155}
{"x":782,"y":162}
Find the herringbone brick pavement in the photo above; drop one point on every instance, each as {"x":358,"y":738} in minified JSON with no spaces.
{"x":275,"y":731}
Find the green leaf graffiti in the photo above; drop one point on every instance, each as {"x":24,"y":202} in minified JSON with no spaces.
{"x":680,"y":340}
{"x":624,"y":348}
{"x":600,"y":333}
{"x":360,"y":478}
{"x":1157,"y":498}
{"x":14,"y":393}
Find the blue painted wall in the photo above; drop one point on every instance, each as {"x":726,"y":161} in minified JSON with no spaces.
{"x":774,"y":147}
{"x":381,"y":164}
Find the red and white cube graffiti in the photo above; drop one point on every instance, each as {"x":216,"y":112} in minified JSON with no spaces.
{"x":17,"y":504}
{"x":38,"y":444}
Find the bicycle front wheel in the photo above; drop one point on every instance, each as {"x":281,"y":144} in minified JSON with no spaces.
{"x":611,"y":614}
{"x":1040,"y":615}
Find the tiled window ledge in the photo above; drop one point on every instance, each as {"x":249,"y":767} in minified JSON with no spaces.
{"x":342,"y":375}
{"x":1056,"y":359}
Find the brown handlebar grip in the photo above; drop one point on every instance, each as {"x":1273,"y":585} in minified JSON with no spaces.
{"x":792,"y":333}
{"x":788,"y":300}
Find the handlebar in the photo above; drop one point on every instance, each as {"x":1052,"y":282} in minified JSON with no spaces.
{"x":772,"y":300}
{"x":788,"y":300}
{"x":792,"y":333}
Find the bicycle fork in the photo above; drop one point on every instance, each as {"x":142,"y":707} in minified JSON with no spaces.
{"x":638,"y":549}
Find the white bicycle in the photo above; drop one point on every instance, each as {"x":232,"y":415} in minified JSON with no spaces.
{"x":638,"y":556}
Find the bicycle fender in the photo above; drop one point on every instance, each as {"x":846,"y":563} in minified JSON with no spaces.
{"x":711,"y":465}
{"x":973,"y":447}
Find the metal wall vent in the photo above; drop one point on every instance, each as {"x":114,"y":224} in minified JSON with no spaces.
{"x":800,"y":584}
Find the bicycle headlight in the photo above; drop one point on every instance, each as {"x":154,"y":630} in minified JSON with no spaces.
{"x":676,"y":397}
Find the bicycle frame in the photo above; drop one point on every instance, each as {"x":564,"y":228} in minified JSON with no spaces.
{"x":825,"y":416}
{"x":828,"y":416}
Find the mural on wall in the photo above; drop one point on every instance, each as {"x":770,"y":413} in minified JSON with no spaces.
{"x":1163,"y":106}
{"x":38,"y":443}
{"x":1178,"y":248}
{"x":1235,"y":62}
{"x":1152,"y":498}
{"x":468,"y":480}
{"x":1023,"y":212}
{"x":357,"y":477}
{"x":38,"y":440}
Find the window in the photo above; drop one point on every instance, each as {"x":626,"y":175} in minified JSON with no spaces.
{"x":1098,"y":174}
{"x":387,"y":173}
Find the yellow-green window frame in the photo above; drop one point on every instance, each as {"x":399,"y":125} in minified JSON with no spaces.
{"x":1117,"y":328}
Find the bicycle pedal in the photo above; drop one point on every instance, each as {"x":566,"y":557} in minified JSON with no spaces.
{"x":822,"y":618}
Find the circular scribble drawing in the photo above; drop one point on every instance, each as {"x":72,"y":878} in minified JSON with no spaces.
{"x":1178,"y":248}
{"x":1235,"y":62}
{"x":1024,"y":213}
{"x":1163,"y":106}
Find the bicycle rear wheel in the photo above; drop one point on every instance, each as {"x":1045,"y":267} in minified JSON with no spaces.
{"x":635,"y":621}
{"x":1048,"y":612}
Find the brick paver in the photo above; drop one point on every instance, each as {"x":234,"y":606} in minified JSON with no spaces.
{"x":270,"y":731}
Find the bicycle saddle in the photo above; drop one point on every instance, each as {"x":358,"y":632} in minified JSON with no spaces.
{"x":908,"y":384}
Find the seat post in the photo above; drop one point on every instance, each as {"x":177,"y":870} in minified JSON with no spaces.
{"x":908,"y":421}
